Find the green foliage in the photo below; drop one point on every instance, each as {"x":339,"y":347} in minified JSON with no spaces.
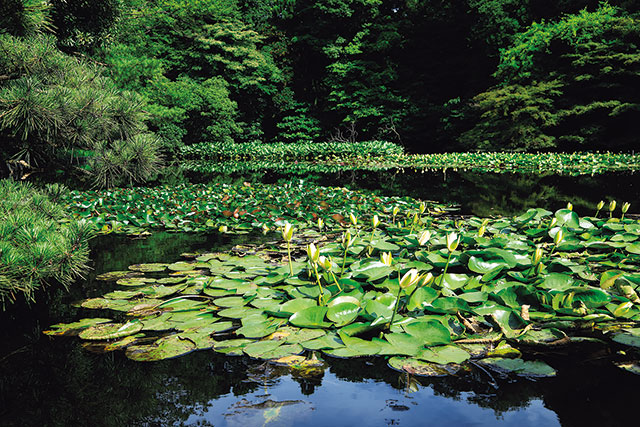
{"x":298,"y":127}
{"x":202,"y":70}
{"x":296,"y":152}
{"x":36,"y":247}
{"x":83,"y":24}
{"x":25,"y":17}
{"x":565,"y":86}
{"x":60,"y":112}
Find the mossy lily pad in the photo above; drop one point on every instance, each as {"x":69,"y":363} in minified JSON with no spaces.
{"x":149,"y":268}
{"x":115,"y":275}
{"x":108,"y":331}
{"x":163,"y":348}
{"x":75,"y":327}
{"x":422,"y":368}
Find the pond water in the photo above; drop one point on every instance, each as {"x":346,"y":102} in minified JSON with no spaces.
{"x":55,"y":381}
{"x":488,"y":194}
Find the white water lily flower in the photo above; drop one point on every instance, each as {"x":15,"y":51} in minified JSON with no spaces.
{"x":353,"y":219}
{"x":409,"y":278}
{"x":325,"y":262}
{"x":453,"y":240}
{"x":313,"y":253}
{"x":424,"y":237}
{"x":558,"y":237}
{"x":537,"y":255}
{"x":287,"y":232}
{"x":375,"y":221}
{"x":386,"y":258}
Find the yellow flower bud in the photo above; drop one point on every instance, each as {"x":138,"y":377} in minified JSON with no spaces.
{"x":223,"y":229}
{"x":375,"y":221}
{"x":569,"y":206}
{"x":537,"y":255}
{"x":625,"y":207}
{"x":353,"y":219}
{"x":612,"y":206}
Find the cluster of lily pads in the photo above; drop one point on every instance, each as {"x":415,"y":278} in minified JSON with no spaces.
{"x":499,"y":162}
{"x":435,"y":295}
{"x":232,"y":208}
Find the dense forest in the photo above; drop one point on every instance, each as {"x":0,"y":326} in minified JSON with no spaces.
{"x":117,"y":86}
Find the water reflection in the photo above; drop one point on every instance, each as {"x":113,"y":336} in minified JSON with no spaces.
{"x":486,"y":194}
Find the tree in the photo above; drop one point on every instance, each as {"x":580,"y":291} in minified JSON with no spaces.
{"x":565,"y":85}
{"x":58,"y":113}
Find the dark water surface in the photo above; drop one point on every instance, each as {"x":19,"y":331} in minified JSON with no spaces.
{"x":54,"y":381}
{"x":485,"y":194}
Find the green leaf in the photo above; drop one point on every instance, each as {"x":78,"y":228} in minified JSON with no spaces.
{"x":430,"y":332}
{"x":311,"y":317}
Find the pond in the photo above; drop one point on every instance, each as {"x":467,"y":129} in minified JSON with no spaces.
{"x":55,"y":381}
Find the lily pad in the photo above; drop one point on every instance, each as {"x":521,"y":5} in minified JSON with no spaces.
{"x":107,"y":331}
{"x":519,"y":367}
{"x":163,"y":348}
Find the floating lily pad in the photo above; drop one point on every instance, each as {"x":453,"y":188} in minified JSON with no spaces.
{"x":519,"y":367}
{"x":312,"y":317}
{"x":108,"y":331}
{"x":115,"y":275}
{"x":74,"y":328}
{"x":148,"y":268}
{"x":259,"y":348}
{"x":163,"y":348}
{"x":422,"y":368}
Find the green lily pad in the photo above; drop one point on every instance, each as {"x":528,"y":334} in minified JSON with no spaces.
{"x":430,"y":332}
{"x":148,"y":268}
{"x":74,"y":328}
{"x":311,"y":317}
{"x":444,"y":355}
{"x":519,"y":367}
{"x":108,"y":331}
{"x":163,"y":348}
{"x":259,"y":348}
{"x":115,"y":275}
{"x":343,"y":313}
{"x":421,"y":368}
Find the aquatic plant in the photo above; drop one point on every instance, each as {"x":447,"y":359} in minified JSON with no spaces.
{"x":521,"y":284}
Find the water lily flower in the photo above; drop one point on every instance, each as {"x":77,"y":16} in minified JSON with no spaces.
{"x":422,"y":207}
{"x":612,"y":206}
{"x":482,"y":230}
{"x":386,"y":258}
{"x":558,"y":237}
{"x":287,"y":232}
{"x":599,"y":207}
{"x":223,"y":229}
{"x":353,"y":219}
{"x":553,"y":222}
{"x":375,"y":221}
{"x":453,"y":240}
{"x":346,"y":239}
{"x":537,"y":255}
{"x":424,"y":237}
{"x":625,"y":207}
{"x":325,"y":262}
{"x":395,"y":210}
{"x":320,"y":224}
{"x":410,"y":277}
{"x":570,"y":206}
{"x":426,"y":279}
{"x":313,"y":253}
